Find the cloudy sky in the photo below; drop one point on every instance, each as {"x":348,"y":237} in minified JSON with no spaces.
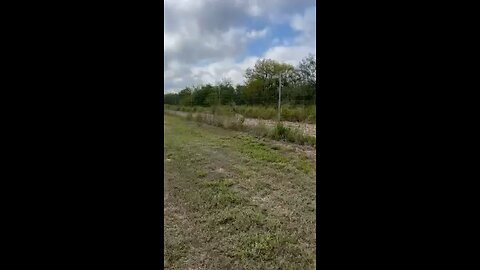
{"x":207,"y":40}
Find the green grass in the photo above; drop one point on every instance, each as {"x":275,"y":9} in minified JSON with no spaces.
{"x":279,"y":132}
{"x":289,"y":112}
{"x":233,"y":201}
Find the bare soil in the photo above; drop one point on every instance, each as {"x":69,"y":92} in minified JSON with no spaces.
{"x":307,"y":129}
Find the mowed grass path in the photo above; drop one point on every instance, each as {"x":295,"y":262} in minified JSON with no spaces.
{"x":235,"y":202}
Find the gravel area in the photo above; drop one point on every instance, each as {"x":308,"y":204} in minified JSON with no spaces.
{"x":309,"y":129}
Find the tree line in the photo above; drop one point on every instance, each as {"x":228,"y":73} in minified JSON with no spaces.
{"x":260,"y":86}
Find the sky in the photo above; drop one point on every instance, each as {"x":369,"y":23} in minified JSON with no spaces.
{"x":206,"y":41}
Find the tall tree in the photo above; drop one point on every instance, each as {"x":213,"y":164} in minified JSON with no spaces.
{"x":262,"y":80}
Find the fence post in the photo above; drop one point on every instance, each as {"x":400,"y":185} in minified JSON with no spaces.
{"x":279,"y":96}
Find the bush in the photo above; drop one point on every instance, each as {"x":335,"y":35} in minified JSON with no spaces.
{"x":234,"y":118}
{"x":280,"y":132}
{"x":260,"y":130}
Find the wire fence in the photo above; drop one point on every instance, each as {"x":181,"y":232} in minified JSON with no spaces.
{"x":294,"y":108}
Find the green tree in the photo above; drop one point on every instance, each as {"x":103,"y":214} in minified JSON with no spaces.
{"x":226,"y":92}
{"x":171,"y":98}
{"x":262,"y":80}
{"x":186,"y":97}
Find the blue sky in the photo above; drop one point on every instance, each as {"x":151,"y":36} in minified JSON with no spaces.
{"x":209,"y":40}
{"x":277,"y":35}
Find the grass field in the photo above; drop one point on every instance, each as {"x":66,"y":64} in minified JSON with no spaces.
{"x":232,"y":201}
{"x":291,"y":113}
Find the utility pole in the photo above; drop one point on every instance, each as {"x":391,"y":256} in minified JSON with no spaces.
{"x":279,"y":96}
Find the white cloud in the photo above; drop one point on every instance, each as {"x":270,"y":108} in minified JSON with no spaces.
{"x":257,"y":34}
{"x":291,"y":54}
{"x":204,"y":38}
{"x":306,"y":24}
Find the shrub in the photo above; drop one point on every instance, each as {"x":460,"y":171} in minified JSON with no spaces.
{"x":225,"y":116}
{"x":280,"y":132}
{"x":260,"y":130}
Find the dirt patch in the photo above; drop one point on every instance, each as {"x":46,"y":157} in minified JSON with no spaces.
{"x":307,"y":129}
